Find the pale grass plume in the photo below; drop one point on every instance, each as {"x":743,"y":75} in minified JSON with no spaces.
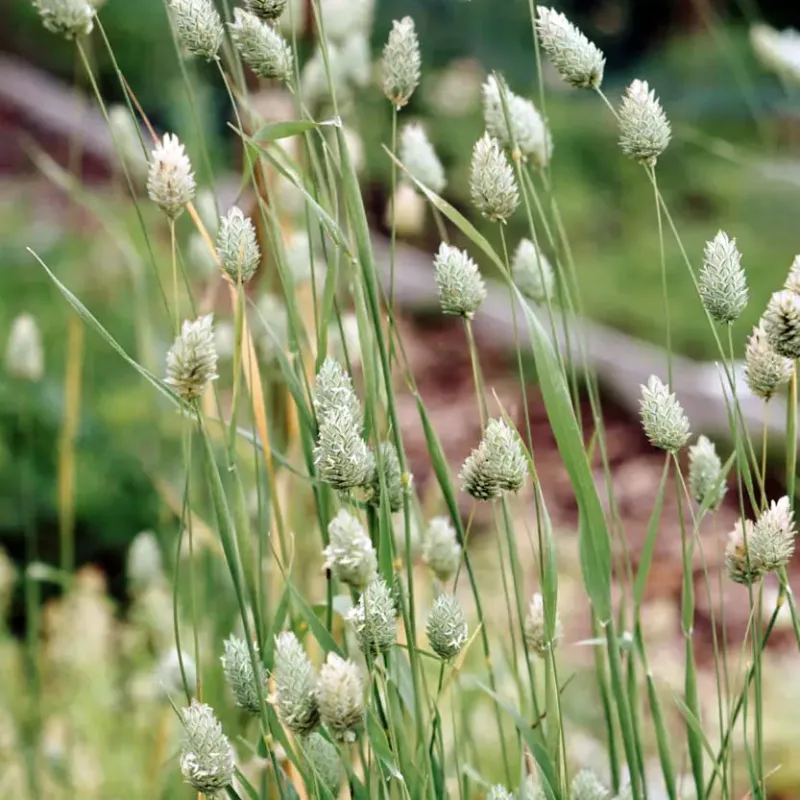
{"x":536,"y":634}
{"x":420,"y":159}
{"x":663,"y":418}
{"x":68,"y":18}
{"x":447,"y":627}
{"x":24,"y":351}
{"x":579,"y":62}
{"x":341,"y":697}
{"x":492,"y":184}
{"x":198,"y":27}
{"x":644,"y":131}
{"x":350,"y":554}
{"x":207,"y":758}
{"x":170,"y":183}
{"x":525,"y":129}
{"x":458,"y":281}
{"x":402,"y":62}
{"x":295,"y":685}
{"x":261,"y":47}
{"x":498,"y":465}
{"x":764,"y":370}
{"x":192,"y":359}
{"x":722,"y":281}
{"x":531,"y":272}
{"x":781,"y":323}
{"x":440,"y":549}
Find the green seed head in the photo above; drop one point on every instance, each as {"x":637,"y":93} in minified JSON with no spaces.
{"x":705,"y":474}
{"x":722,"y":282}
{"x":493,"y":187}
{"x":295,"y":685}
{"x":663,"y":419}
{"x":579,"y":62}
{"x":401,"y":62}
{"x":440,"y":549}
{"x":350,"y":554}
{"x":238,"y":669}
{"x":446,"y":628}
{"x":374,"y":618}
{"x":207,"y":758}
{"x":764,"y":370}
{"x":458,"y":281}
{"x":644,"y":131}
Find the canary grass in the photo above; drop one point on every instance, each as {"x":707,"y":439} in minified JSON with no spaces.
{"x":367,"y":670}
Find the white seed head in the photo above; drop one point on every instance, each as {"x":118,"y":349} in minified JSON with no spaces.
{"x":587,"y":786}
{"x":498,"y":464}
{"x":781,"y":322}
{"x":129,"y":145}
{"x":207,"y":758}
{"x":663,"y":418}
{"x":401,"y":62}
{"x":344,"y":18}
{"x":793,"y":278}
{"x":458,"y":281}
{"x":341,"y":456}
{"x":498,"y":792}
{"x":170,"y":182}
{"x":492,"y":184}
{"x":341,"y":697}
{"x":295,"y":685}
{"x":579,"y":62}
{"x":389,"y":467}
{"x":764,"y":369}
{"x":24,"y":351}
{"x":323,"y":757}
{"x":198,"y":26}
{"x":374,"y":618}
{"x":144,"y":566}
{"x":168,"y":672}
{"x":355,"y":61}
{"x":440,"y":549}
{"x":237,"y":246}
{"x":447,"y":628}
{"x":68,"y":18}
{"x":531,"y":272}
{"x":238,"y":669}
{"x":644,"y":131}
{"x":527,"y":132}
{"x":267,"y":10}
{"x":739,"y":561}
{"x":334,"y":391}
{"x":722,"y":282}
{"x":705,"y":474}
{"x":350,"y":554}
{"x":192,"y":360}
{"x":536,"y":636}
{"x":261,"y":47}
{"x":772,"y":541}
{"x":419,"y":157}
{"x":778,"y":51}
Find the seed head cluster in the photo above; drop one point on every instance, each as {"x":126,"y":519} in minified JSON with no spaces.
{"x":524,"y":130}
{"x":67,"y":18}
{"x":458,"y":281}
{"x":644,"y":131}
{"x":440,"y":549}
{"x":261,"y":47}
{"x":401,"y":62}
{"x":237,"y":246}
{"x":447,"y":628}
{"x":207,"y":758}
{"x":663,"y":419}
{"x":192,"y":359}
{"x":341,"y":697}
{"x":498,"y":465}
{"x":374,"y":618}
{"x":531,"y":272}
{"x":419,"y":157}
{"x":722,"y":282}
{"x":536,"y":635}
{"x":579,"y":62}
{"x":238,"y":668}
{"x":171,"y":183}
{"x":764,"y":370}
{"x":350,"y":554}
{"x":198,"y":26}
{"x":492,"y":184}
{"x":706,"y":481}
{"x":295,"y":685}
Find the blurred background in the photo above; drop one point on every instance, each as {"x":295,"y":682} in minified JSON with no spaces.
{"x":734,"y":162}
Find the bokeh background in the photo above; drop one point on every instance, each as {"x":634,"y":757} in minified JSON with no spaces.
{"x":734,"y":163}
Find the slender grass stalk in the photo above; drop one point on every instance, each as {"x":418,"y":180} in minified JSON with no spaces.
{"x":791,"y":438}
{"x":664,"y":282}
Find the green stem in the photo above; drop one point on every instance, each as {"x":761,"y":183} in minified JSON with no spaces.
{"x":791,"y":437}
